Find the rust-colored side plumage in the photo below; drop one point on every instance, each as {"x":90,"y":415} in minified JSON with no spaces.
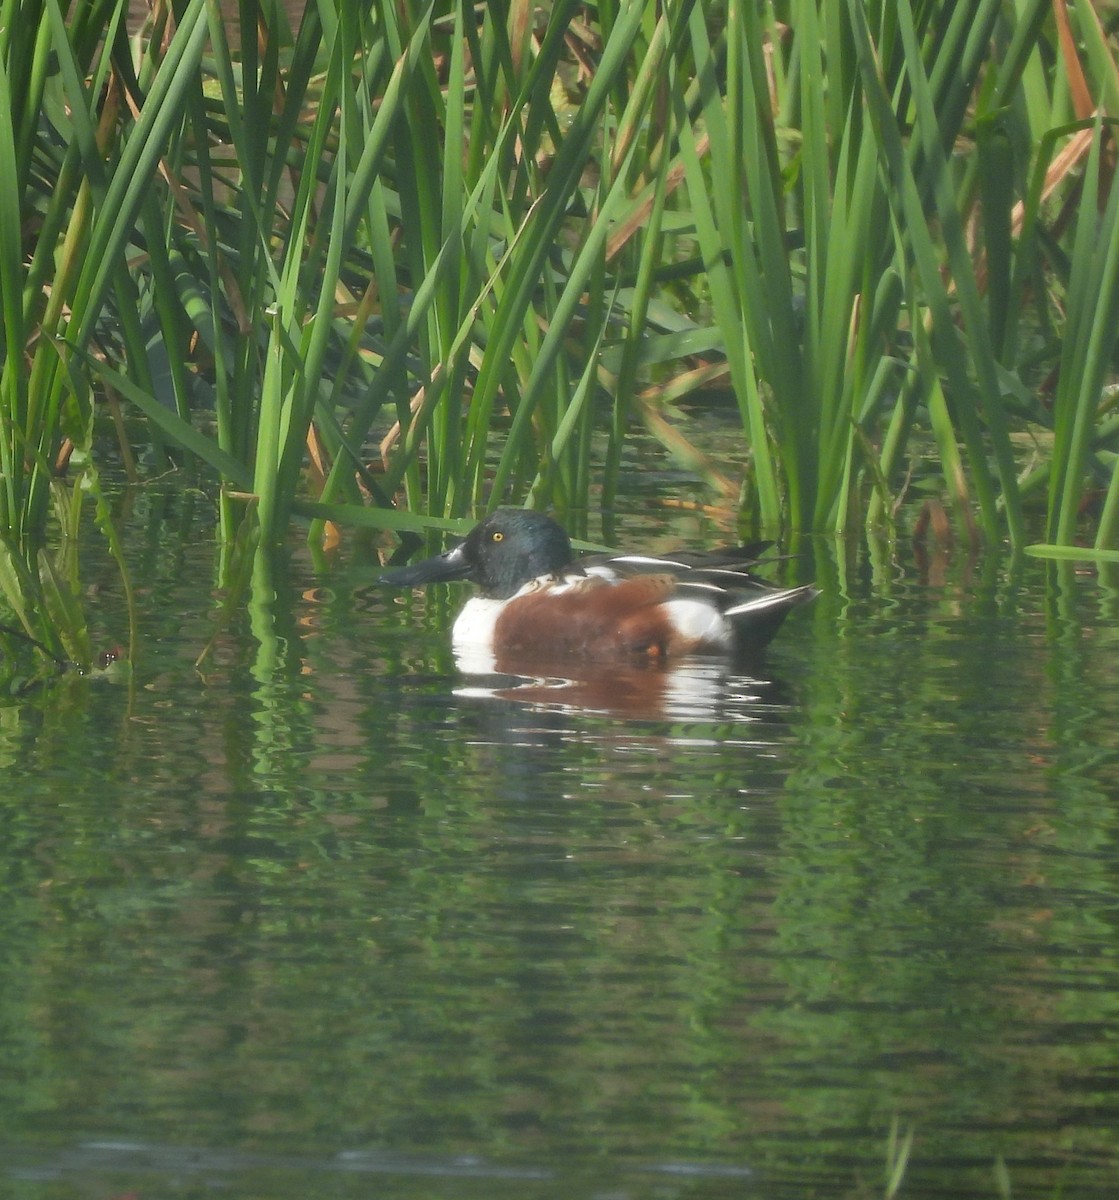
{"x":594,"y":619}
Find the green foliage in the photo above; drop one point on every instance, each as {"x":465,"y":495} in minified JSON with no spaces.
{"x":441,"y":257}
{"x":72,"y":186}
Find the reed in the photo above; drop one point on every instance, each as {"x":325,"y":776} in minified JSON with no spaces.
{"x":73,"y":190}
{"x":410,"y":260}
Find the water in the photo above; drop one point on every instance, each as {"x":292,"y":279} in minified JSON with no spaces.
{"x":321,"y":917}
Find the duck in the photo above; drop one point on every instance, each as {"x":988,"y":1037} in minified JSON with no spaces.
{"x":537,"y":601}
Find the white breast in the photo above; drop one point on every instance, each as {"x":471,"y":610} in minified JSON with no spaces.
{"x":472,"y":635}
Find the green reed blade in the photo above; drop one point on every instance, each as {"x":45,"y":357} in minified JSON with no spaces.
{"x":1108,"y":532}
{"x":1091,"y":334}
{"x":1072,"y":553}
{"x":13,"y":401}
{"x":514,"y":307}
{"x":130,"y":180}
{"x":176,"y":429}
{"x":726,"y":290}
{"x":947,"y":345}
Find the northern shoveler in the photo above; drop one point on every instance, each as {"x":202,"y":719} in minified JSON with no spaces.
{"x":539,"y":603}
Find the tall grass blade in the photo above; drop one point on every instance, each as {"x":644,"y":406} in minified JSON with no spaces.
{"x":1089,"y":343}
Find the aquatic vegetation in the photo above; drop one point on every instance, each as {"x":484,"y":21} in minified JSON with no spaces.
{"x":404,"y":262}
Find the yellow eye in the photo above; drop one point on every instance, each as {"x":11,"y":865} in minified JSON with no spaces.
{"x":497,"y":537}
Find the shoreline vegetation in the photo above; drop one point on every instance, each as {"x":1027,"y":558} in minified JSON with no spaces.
{"x":396,"y":263}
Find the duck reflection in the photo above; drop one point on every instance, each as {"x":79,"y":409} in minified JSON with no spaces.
{"x":689,"y":689}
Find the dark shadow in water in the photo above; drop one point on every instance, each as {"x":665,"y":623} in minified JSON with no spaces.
{"x":180,"y":1168}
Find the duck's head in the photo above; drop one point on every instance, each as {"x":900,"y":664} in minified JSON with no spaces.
{"x":501,"y":554}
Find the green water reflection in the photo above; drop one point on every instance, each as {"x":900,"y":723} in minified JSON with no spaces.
{"x":310,"y":920}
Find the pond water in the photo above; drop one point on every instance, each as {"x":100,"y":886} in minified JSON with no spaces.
{"x":321,"y":917}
